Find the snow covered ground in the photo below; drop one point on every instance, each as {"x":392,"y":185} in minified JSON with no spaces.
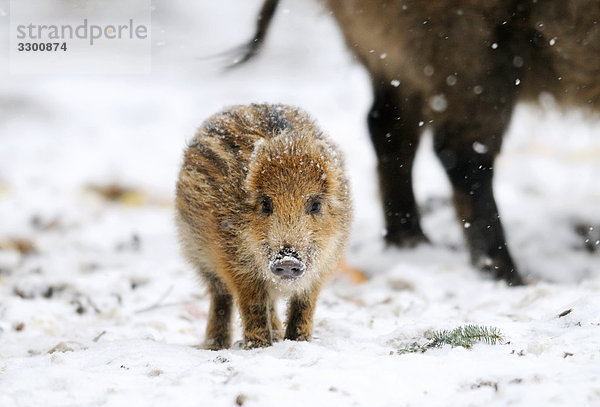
{"x":97,"y":308}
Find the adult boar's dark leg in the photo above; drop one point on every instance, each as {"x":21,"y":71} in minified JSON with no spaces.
{"x":394,"y":127}
{"x":467,"y":150}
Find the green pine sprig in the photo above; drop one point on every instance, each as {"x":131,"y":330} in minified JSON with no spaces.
{"x":464,"y":336}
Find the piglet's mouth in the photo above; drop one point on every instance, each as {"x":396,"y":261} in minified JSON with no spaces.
{"x":287,"y":266}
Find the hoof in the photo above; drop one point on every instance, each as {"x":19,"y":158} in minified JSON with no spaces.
{"x":406,"y":239}
{"x":212,"y":344}
{"x":500,"y":271}
{"x":513,"y":279}
{"x":256,"y":345}
{"x":300,"y":338}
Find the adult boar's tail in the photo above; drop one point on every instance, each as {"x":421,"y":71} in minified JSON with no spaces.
{"x":246,"y":51}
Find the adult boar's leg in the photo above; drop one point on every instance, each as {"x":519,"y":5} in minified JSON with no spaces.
{"x":394,"y":127}
{"x":467,"y":149}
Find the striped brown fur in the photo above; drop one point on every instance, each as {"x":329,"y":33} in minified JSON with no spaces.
{"x":240,"y":159}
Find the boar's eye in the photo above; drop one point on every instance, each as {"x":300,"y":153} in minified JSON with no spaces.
{"x":266,"y":206}
{"x":314,"y":207}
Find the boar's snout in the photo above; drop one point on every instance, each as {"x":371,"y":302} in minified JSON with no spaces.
{"x":287,"y":266}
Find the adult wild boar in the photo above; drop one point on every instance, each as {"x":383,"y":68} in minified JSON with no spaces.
{"x":461,"y":66}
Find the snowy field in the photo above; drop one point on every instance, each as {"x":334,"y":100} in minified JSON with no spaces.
{"x":97,"y":307}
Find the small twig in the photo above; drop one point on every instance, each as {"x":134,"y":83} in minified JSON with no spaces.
{"x":157,"y":304}
{"x":565,"y":313}
{"x":97,"y":338}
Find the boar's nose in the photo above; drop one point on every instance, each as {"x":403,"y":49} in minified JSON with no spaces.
{"x":288,"y":267}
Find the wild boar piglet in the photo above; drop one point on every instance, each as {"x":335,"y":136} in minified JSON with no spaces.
{"x":263,"y":211}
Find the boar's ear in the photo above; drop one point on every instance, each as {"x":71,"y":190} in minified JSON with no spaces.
{"x":336,"y":183}
{"x":254,"y":164}
{"x":328,"y":150}
{"x":334,"y":160}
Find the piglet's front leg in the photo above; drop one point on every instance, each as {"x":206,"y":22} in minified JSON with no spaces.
{"x":255,"y":310}
{"x":300,"y":315}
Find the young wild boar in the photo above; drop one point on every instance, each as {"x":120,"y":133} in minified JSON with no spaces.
{"x":263,"y":210}
{"x":460,"y":66}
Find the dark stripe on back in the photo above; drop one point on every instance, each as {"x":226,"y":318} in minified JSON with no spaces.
{"x":278,"y":122}
{"x":211,"y":157}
